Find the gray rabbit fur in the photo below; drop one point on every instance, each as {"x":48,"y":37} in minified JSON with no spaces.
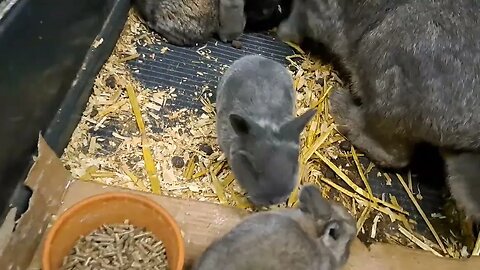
{"x":232,"y":19}
{"x":257,"y":130}
{"x":187,"y":22}
{"x":415,"y":77}
{"x":317,"y":235}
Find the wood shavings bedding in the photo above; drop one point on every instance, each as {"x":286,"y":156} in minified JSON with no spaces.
{"x":107,"y":146}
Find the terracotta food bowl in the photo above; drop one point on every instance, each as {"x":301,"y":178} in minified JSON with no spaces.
{"x":109,"y":208}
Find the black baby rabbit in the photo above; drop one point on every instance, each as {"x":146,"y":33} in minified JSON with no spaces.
{"x":187,"y":22}
{"x":415,"y":73}
{"x":266,"y":14}
{"x":257,"y":130}
{"x":315,"y":236}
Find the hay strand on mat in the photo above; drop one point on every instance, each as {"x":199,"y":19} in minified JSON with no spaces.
{"x":476,"y":249}
{"x":422,"y":213}
{"x":355,"y":187}
{"x":417,"y":241}
{"x":360,"y":171}
{"x":147,"y":153}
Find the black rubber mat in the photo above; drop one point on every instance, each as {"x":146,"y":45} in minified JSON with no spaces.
{"x":191,"y":73}
{"x":193,"y":70}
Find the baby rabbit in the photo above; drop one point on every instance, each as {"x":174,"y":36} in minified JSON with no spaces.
{"x":256,"y":128}
{"x":315,"y":236}
{"x":232,"y":19}
{"x":415,"y":72}
{"x":187,"y":22}
{"x":266,"y":14}
{"x":181,"y":22}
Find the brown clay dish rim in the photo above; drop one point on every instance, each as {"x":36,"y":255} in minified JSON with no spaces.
{"x":96,"y":198}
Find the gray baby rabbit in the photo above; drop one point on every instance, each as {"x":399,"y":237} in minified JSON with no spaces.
{"x":415,"y":73}
{"x":187,"y":22}
{"x":232,"y":19}
{"x":315,"y":236}
{"x":181,"y":22}
{"x":256,"y":128}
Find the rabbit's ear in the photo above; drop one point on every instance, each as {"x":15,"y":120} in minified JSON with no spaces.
{"x":292,"y":129}
{"x":312,"y":202}
{"x":242,"y":126}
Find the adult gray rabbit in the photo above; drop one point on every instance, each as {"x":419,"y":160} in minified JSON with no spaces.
{"x":315,"y":236}
{"x":415,"y":73}
{"x":257,"y":130}
{"x":187,"y":22}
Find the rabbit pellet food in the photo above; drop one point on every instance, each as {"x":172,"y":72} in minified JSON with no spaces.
{"x":117,"y":246}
